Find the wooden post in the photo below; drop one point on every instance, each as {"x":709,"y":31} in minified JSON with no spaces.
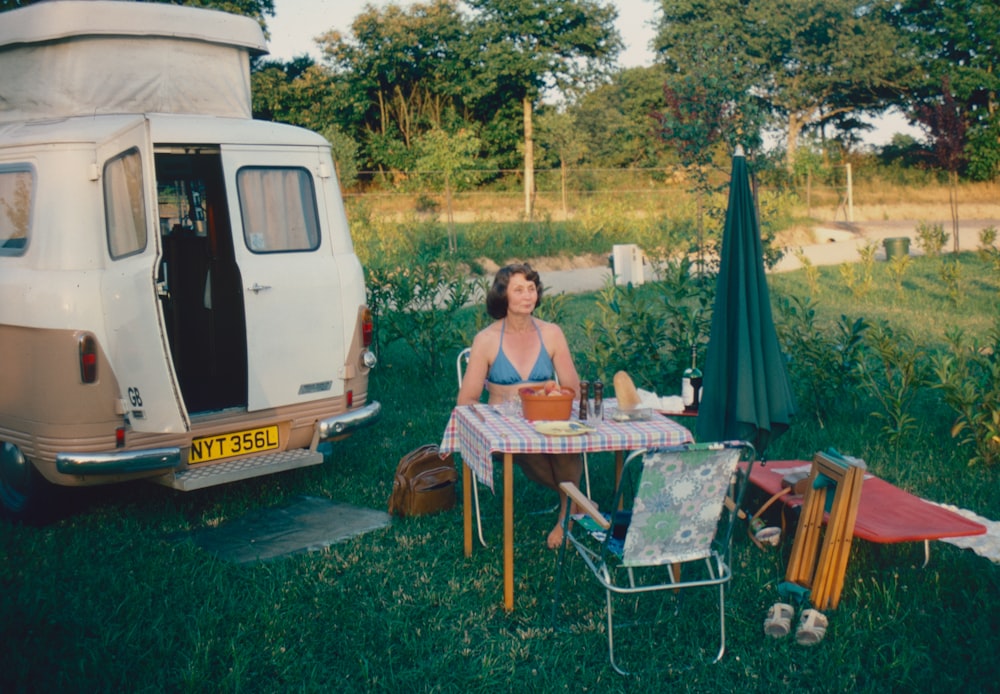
{"x":529,"y":161}
{"x":850,"y":194}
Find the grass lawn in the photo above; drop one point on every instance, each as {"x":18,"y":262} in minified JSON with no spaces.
{"x":109,"y":599}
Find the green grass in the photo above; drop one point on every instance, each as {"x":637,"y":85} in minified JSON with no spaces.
{"x":114,"y":598}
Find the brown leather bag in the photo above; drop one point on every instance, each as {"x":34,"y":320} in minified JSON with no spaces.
{"x":424,"y":483}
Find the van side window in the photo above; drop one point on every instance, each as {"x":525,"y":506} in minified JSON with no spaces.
{"x":279,"y":209}
{"x":17,"y":192}
{"x":125,"y":204}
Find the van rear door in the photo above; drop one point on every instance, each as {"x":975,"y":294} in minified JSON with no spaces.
{"x":135,"y":338}
{"x":291,"y":281}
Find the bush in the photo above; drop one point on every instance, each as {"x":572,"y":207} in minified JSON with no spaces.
{"x":969,"y":377}
{"x":419,"y":304}
{"x":931,"y":238}
{"x":822,"y":362}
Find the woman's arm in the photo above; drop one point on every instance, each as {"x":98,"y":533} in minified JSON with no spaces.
{"x":562,"y":359}
{"x":474,"y":379}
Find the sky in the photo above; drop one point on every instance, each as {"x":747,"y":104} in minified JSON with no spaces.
{"x":297,"y":22}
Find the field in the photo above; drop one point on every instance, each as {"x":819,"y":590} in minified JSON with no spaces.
{"x":117,"y":597}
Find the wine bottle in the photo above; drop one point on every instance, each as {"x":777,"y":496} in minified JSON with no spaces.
{"x":691,"y":382}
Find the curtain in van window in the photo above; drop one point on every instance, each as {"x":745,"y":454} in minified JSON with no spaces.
{"x":124,"y":205}
{"x":279,"y":210}
{"x":15,"y":210}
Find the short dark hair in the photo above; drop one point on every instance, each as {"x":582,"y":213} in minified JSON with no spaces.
{"x":496,"y":297}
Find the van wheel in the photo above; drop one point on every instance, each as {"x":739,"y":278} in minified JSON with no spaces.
{"x":25,"y":496}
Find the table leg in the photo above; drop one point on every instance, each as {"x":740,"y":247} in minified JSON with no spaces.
{"x":619,"y":466}
{"x":467,"y":483}
{"x":508,"y":532}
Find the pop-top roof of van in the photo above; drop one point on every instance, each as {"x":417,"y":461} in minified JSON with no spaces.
{"x":65,"y":58}
{"x":63,"y":19}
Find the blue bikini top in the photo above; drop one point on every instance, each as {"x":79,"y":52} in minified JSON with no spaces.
{"x":503,"y":373}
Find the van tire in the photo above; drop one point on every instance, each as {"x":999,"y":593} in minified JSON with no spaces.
{"x":25,"y":495}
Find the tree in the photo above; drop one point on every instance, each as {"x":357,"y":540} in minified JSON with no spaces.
{"x":297,"y":92}
{"x":943,"y":119}
{"x":617,"y":122}
{"x":519,"y":48}
{"x":559,"y":136}
{"x":956,"y":39}
{"x":450,"y":160}
{"x":809,"y":62}
{"x":400,"y":69}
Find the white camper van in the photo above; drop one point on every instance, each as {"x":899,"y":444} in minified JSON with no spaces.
{"x":179,"y":295}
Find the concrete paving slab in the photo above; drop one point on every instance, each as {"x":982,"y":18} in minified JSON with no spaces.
{"x":307,"y":524}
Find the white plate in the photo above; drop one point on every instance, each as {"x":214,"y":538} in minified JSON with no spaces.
{"x":562,"y":428}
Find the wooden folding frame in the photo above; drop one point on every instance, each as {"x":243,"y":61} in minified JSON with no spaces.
{"x":824,"y":577}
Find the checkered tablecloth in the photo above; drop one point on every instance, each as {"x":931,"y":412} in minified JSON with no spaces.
{"x":477,"y":439}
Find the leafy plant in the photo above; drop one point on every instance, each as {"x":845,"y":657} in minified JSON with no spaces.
{"x":951,"y":275}
{"x":849,"y":274}
{"x":649,"y":331}
{"x":893,"y":372}
{"x":418,"y":304}
{"x":969,"y":377}
{"x":931,"y":238}
{"x":628,"y":334}
{"x":812,"y":272}
{"x":987,"y":246}
{"x":987,"y":237}
{"x":867,"y":264}
{"x":822,"y":363}
{"x":897,"y":269}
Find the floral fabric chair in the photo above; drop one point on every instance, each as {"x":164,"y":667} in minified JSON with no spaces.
{"x":673,"y":530}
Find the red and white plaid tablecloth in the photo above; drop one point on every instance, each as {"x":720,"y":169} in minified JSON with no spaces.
{"x":476,"y":440}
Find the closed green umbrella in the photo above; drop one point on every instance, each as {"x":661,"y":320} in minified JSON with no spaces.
{"x":746,"y":393}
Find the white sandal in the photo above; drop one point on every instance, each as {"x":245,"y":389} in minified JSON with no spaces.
{"x":812,"y":628}
{"x":779,"y":620}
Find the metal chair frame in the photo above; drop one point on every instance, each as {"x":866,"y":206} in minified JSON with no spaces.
{"x":608,"y":556}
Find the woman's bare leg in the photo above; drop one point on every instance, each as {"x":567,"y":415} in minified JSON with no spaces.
{"x":549,"y":470}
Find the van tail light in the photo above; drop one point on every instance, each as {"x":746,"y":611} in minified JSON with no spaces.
{"x":367,"y":327}
{"x":120,"y":437}
{"x":349,"y":396}
{"x":88,"y":359}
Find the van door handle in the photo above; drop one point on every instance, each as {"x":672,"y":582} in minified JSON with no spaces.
{"x":257,"y":288}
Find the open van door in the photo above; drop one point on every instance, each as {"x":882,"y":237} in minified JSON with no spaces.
{"x":135,"y":340}
{"x":291,"y":281}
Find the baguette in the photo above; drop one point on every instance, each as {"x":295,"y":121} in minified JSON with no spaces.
{"x":625,"y":392}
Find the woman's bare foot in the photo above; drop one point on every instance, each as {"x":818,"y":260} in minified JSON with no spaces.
{"x":555,"y":538}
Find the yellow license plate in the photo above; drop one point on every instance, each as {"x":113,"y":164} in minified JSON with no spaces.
{"x":209,"y":448}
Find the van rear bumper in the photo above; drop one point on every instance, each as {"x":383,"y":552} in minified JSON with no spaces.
{"x":343,"y":424}
{"x":169,"y":458}
{"x":119,"y":462}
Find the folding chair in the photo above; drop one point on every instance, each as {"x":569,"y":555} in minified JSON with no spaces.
{"x":461,"y":362}
{"x":819,"y":568}
{"x":677,"y":508}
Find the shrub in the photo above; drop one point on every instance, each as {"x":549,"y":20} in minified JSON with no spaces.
{"x":931,"y":238}
{"x":969,"y":377}
{"x":893,"y":371}
{"x":822,"y":362}
{"x":418,"y":304}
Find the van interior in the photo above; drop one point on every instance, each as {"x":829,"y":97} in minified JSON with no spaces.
{"x":201,"y":289}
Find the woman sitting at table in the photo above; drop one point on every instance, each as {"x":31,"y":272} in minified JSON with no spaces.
{"x":518,"y":350}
